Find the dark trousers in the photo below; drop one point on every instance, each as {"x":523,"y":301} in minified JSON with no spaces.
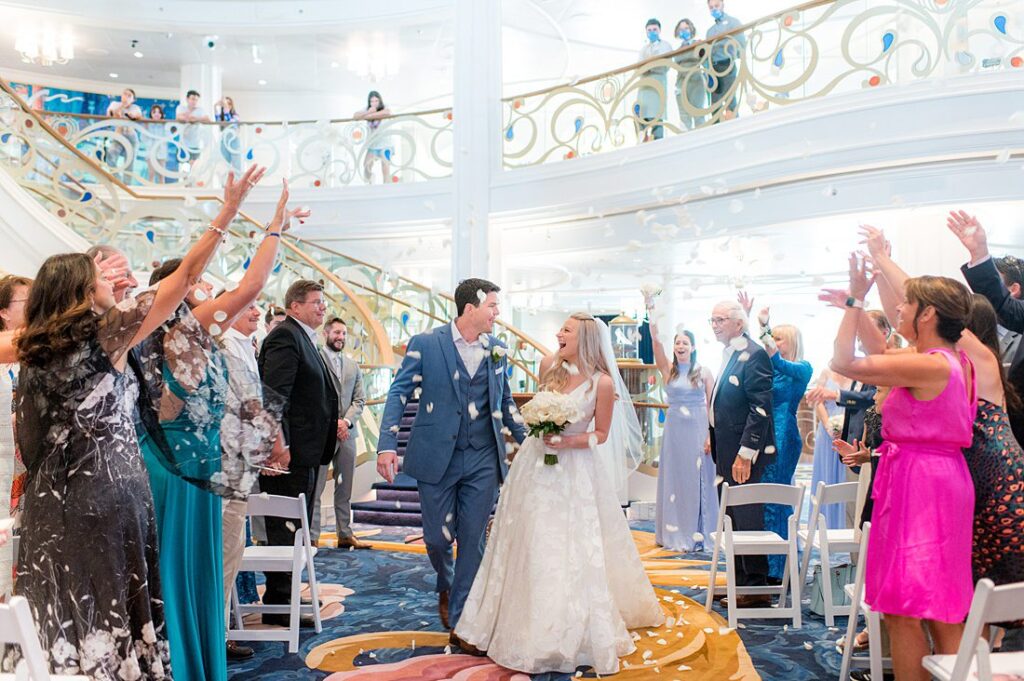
{"x":750,"y":570}
{"x":724,"y":73}
{"x":301,"y":480}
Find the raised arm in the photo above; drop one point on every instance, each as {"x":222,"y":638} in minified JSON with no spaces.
{"x":981,"y":273}
{"x":799,"y":371}
{"x":871,"y":337}
{"x":661,"y":358}
{"x":234,"y":302}
{"x":173,"y":289}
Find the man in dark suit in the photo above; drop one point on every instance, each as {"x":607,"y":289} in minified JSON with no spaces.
{"x":291,"y":365}
{"x":999,"y":280}
{"x":742,"y":431}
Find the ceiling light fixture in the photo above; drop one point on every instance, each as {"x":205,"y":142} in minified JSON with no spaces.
{"x":138,"y":55}
{"x":256,"y":59}
{"x":262,"y":82}
{"x":376,"y":57}
{"x":45,"y":45}
{"x":113,"y":75}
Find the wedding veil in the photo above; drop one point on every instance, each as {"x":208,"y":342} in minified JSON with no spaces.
{"x":622,"y":452}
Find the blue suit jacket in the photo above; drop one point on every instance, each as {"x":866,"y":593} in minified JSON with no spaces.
{"x":432,"y":357}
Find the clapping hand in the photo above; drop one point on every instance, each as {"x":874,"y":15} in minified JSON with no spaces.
{"x":862,"y":278}
{"x":970,"y":232}
{"x":835,"y":297}
{"x":746,"y":302}
{"x":851,"y":454}
{"x":235,"y":191}
{"x":282,"y":215}
{"x":821,"y":394}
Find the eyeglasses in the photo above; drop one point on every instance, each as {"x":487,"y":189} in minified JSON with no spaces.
{"x":317,"y":302}
{"x":718,"y":321}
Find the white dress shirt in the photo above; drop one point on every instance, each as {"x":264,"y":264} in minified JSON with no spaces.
{"x":472,"y":354}
{"x":310,"y":331}
{"x":239,"y":346}
{"x":727,"y":353}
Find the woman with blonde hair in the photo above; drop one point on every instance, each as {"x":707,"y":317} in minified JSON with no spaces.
{"x":560,"y":540}
{"x":790,"y":375}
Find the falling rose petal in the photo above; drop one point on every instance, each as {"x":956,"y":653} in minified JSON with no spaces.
{"x":698,"y":537}
{"x":708,"y":630}
{"x":738,"y":343}
{"x":417,"y":379}
{"x":757,"y":193}
{"x":743,"y":356}
{"x":446,"y":532}
{"x":510,"y":449}
{"x":415,"y":354}
{"x":215,"y":329}
{"x":290,"y":526}
{"x":571,"y":368}
{"x":735,"y":381}
{"x":480,"y":295}
{"x":220,"y":315}
{"x":201,"y":295}
{"x":808,"y":645}
{"x":735,"y":206}
{"x":829,"y":191}
{"x":430,"y":407}
{"x":231,"y":286}
{"x":556,"y":438}
{"x":672,"y":498}
{"x":760,"y":411}
{"x":683,"y":668}
{"x":592,"y":441}
{"x":671,"y":528}
{"x":496,"y":414}
{"x":448,"y":518}
{"x":416,"y":393}
{"x":700,"y":461}
{"x":725,"y":631}
{"x":1003,"y":156}
{"x":456,"y":375}
{"x":484,"y":340}
{"x":718,"y":480}
{"x":770,"y":449}
{"x":393,"y":429}
{"x":473,"y":411}
{"x":505,"y":430}
{"x":818,"y":281}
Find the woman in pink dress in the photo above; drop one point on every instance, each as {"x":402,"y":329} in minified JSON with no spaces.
{"x":919,"y":556}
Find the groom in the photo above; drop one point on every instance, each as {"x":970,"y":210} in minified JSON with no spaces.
{"x":456,"y":449}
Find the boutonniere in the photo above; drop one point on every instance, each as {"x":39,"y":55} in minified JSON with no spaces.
{"x":497,"y":352}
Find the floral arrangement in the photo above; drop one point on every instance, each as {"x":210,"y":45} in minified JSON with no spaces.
{"x":548,"y":413}
{"x":835,"y":424}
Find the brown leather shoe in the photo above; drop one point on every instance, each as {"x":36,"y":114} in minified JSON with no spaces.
{"x":239,"y":652}
{"x":442,"y":608}
{"x":351,"y":542}
{"x":754,"y":601}
{"x":467,"y":648}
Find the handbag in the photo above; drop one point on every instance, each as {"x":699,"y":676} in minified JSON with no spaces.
{"x":839,"y":576}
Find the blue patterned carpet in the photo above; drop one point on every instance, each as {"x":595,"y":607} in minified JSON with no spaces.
{"x":394,"y":592}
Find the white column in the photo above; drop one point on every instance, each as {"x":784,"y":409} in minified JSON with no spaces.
{"x":476,"y":121}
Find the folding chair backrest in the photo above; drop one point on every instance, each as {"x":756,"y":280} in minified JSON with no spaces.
{"x":840,"y":493}
{"x":277,"y":506}
{"x":762,"y":493}
{"x":16,"y":626}
{"x":990,"y":604}
{"x":862,"y":562}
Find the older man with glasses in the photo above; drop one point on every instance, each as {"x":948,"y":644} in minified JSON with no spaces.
{"x":742,"y":432}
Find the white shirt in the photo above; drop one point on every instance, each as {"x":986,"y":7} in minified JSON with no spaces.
{"x":190,"y":134}
{"x":336,"y":358}
{"x":727,"y":353}
{"x":310,"y":331}
{"x":239,"y":346}
{"x":472,"y":354}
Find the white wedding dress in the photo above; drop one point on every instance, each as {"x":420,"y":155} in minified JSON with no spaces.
{"x":561,"y":580}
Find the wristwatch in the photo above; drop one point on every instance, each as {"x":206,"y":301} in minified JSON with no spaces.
{"x":853,"y":302}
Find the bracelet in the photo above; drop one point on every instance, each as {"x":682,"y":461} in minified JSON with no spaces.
{"x":219,"y":230}
{"x":854,"y":303}
{"x":766,"y":331}
{"x":277,"y":234}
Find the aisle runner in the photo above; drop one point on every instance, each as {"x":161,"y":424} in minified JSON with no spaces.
{"x":699,"y":646}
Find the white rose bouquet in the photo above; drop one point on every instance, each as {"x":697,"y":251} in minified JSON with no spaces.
{"x":548,"y":413}
{"x":835,"y":424}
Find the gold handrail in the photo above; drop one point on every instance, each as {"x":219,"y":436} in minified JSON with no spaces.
{"x":222,"y":124}
{"x":668,"y":55}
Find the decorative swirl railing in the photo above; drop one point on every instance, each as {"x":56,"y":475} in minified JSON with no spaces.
{"x":336,"y":153}
{"x":817,"y":49}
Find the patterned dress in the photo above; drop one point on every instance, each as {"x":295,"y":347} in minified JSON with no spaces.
{"x":996,"y":463}
{"x":88,"y":556}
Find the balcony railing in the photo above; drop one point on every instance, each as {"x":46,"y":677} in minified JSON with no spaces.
{"x":329,"y":153}
{"x":818,"y":49}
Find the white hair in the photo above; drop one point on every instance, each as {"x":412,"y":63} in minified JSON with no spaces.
{"x":735,"y":311}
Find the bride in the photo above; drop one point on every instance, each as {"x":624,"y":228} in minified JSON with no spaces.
{"x":561,"y":580}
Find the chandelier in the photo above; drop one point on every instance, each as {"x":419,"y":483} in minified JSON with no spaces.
{"x":45,"y":46}
{"x":375,"y":57}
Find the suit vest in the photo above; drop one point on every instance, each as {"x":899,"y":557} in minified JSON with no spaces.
{"x":474,"y":433}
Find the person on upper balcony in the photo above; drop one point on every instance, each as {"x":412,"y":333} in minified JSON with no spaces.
{"x":374,"y":112}
{"x":691,"y":88}
{"x":653,"y":91}
{"x":190,"y":112}
{"x":126,"y":108}
{"x":116,"y":150}
{"x":725,"y":56}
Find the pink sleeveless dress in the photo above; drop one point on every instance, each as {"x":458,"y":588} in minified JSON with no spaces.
{"x":919,"y":553}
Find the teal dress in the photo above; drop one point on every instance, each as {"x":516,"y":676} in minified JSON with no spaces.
{"x":189,"y":525}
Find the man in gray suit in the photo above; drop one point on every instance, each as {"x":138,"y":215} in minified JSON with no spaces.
{"x":348,"y":382}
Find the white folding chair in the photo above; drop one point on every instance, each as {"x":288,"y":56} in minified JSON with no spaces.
{"x":817,"y":535}
{"x":292,"y":559}
{"x":731,"y":543}
{"x":873,"y":660}
{"x":17,"y":626}
{"x":973,"y":660}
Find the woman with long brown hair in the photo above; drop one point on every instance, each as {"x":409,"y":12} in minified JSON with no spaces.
{"x":13,"y":296}
{"x":88,"y":556}
{"x":687,"y":503}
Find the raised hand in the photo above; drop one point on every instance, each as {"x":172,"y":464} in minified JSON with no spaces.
{"x":764,"y":315}
{"x":283,"y":217}
{"x":874,"y":239}
{"x":821,"y":394}
{"x":746,"y":301}
{"x":235,"y":191}
{"x":970,"y":232}
{"x":835,"y":297}
{"x":861,"y":277}
{"x":116,"y":270}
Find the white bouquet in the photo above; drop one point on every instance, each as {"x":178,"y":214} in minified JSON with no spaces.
{"x":548,"y":413}
{"x":835,"y":424}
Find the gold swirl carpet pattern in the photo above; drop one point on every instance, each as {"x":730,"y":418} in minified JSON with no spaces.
{"x":692,"y":644}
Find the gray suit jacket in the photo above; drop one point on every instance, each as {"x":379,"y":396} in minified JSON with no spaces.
{"x":349,"y":384}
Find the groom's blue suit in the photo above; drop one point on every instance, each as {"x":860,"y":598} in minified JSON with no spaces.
{"x":456,"y":452}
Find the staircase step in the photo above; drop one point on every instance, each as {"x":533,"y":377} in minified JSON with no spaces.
{"x":403,"y":495}
{"x":407,"y":507}
{"x":402,"y":482}
{"x":386,"y":518}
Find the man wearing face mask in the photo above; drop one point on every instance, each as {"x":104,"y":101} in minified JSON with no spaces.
{"x":652,"y":94}
{"x":725,"y":55}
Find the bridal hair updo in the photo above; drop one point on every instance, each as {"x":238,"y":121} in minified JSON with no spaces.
{"x":589,"y":357}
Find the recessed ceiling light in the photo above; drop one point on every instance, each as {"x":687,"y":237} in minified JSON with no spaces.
{"x":262,"y":82}
{"x":113,"y":75}
{"x":138,"y":55}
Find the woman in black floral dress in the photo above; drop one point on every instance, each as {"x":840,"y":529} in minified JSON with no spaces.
{"x":88,"y":560}
{"x":996,"y":462}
